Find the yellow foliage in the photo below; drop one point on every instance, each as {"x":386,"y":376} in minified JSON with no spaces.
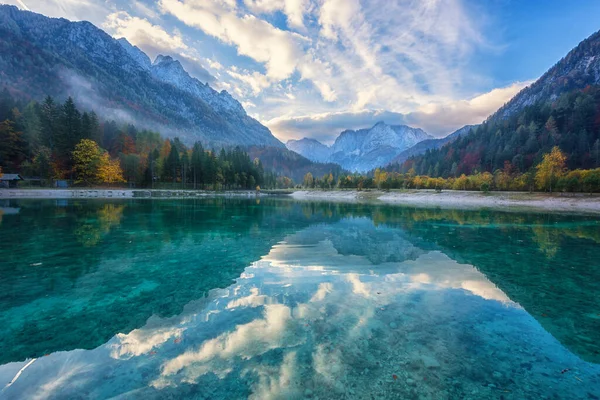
{"x":552,"y":167}
{"x":380,"y":177}
{"x":109,"y":170}
{"x":86,"y":159}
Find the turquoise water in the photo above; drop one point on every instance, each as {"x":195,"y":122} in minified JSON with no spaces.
{"x":276,"y":299}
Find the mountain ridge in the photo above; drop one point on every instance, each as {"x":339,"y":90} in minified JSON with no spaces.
{"x":580,"y":67}
{"x":363,"y":149}
{"x":430,"y":144}
{"x":42,"y":56}
{"x":561,"y":109}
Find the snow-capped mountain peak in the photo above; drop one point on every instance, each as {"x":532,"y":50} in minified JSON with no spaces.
{"x":363,"y":149}
{"x":138,"y":55}
{"x":169,"y":70}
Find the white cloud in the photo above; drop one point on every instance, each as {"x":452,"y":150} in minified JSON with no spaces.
{"x":22,"y":5}
{"x":439,"y":119}
{"x":255,"y":80}
{"x":144,"y":9}
{"x":279,"y":50}
{"x":335,"y":64}
{"x":325,"y":127}
{"x":293,"y":9}
{"x":214,"y":64}
{"x":75,"y":10}
{"x":153,"y":39}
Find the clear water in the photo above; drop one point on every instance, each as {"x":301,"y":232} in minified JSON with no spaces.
{"x":232,"y":299}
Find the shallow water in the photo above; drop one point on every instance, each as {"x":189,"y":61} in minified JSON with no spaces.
{"x":228,"y":299}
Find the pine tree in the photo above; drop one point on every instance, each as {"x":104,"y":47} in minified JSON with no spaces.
{"x":197,"y":164}
{"x":49,"y":122}
{"x":70,"y":129}
{"x":32,"y":128}
{"x":185,"y":165}
{"x":172,"y":164}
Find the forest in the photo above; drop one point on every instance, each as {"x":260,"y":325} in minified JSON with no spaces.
{"x":571,"y":122}
{"x":546,"y":147}
{"x":551,"y":174}
{"x":52,"y":141}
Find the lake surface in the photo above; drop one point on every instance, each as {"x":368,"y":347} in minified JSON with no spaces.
{"x":276,"y":299}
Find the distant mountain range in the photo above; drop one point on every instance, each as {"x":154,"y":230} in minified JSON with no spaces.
{"x":42,"y":56}
{"x":364,"y":149}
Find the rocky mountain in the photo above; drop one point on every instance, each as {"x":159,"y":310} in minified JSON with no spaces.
{"x":431,"y":144}
{"x":42,"y":56}
{"x":579,"y":68}
{"x":317,"y":151}
{"x":363,"y":149}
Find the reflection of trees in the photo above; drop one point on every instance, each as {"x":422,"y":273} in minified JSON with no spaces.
{"x":91,"y":230}
{"x":164,"y":254}
{"x":167,"y":253}
{"x":548,"y":240}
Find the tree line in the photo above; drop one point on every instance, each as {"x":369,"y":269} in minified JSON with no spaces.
{"x":571,"y":122}
{"x":550,"y":175}
{"x":52,"y":140}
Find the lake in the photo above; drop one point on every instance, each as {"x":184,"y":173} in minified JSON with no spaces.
{"x":273,"y":298}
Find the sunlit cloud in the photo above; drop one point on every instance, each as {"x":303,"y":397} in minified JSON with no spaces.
{"x":153,"y":39}
{"x":439,"y":119}
{"x":313,"y":68}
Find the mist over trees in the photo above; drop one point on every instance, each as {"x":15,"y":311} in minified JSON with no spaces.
{"x":52,"y":140}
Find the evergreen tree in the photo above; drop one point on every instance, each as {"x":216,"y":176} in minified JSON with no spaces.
{"x":70,"y":127}
{"x":172,"y":164}
{"x":49,"y":123}
{"x":185,"y":166}
{"x":197,"y":162}
{"x":32,"y":128}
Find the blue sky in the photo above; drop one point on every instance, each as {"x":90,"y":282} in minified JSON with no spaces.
{"x":315,"y":67}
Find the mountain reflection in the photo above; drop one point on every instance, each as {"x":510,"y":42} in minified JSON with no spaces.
{"x":344,"y":301}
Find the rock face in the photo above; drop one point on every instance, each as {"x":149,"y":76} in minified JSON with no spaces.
{"x":579,"y":68}
{"x":318,"y":151}
{"x":364,"y":149}
{"x":42,"y":56}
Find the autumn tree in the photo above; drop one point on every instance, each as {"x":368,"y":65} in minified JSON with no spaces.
{"x":551,"y":168}
{"x":329,"y":180}
{"x":308,"y":180}
{"x":380,"y":177}
{"x":86,"y":161}
{"x":109,"y":171}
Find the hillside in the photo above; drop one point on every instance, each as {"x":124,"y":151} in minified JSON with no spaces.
{"x":42,"y":56}
{"x":293,"y":165}
{"x":561,"y":109}
{"x":431,"y":144}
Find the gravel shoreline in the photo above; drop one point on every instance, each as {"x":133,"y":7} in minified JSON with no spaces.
{"x":118,"y":193}
{"x":578,"y":202}
{"x":464,"y":199}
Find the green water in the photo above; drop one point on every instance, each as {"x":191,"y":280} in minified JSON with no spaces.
{"x":228,"y":299}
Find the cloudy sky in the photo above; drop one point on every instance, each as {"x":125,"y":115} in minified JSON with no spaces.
{"x":315,"y":67}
